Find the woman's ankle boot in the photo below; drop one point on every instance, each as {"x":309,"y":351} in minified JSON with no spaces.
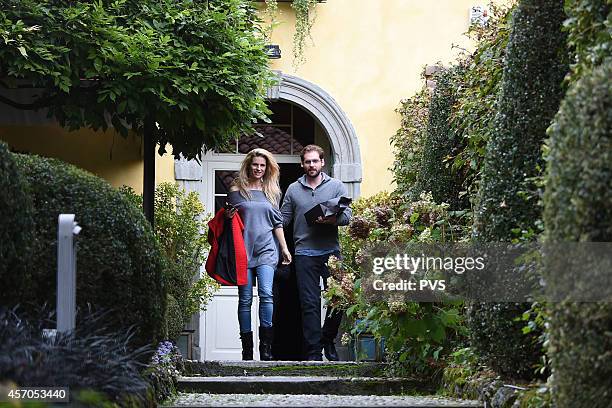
{"x":266,"y":335}
{"x":247,"y":345}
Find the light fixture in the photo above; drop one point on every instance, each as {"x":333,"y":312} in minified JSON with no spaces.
{"x":273,"y":51}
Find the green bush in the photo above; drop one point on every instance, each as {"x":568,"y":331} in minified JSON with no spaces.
{"x":408,"y":140}
{"x":175,"y":318}
{"x":534,"y":69}
{"x":179,"y":222}
{"x":119,"y":265}
{"x":577,"y":208}
{"x":478,"y":93}
{"x":441,"y":143}
{"x":417,"y":334}
{"x":500,"y":341}
{"x":588,"y":26}
{"x":16,"y":229}
{"x":531,"y":90}
{"x":178,"y":227}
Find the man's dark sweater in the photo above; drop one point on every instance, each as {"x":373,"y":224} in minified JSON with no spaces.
{"x":300,"y":198}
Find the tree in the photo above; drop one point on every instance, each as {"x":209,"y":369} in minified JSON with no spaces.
{"x":189,"y":73}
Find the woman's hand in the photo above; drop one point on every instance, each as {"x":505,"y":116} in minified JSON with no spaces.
{"x":280,"y":236}
{"x":229,"y":214}
{"x":286,"y":256}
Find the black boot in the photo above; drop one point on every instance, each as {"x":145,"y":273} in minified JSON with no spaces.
{"x":247,"y":345}
{"x":333,"y":318}
{"x":329,"y":348}
{"x":266,"y":335}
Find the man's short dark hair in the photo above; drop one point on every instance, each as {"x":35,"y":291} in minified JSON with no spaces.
{"x":312,"y":148}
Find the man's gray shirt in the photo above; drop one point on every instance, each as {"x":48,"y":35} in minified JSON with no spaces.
{"x":300,"y":198}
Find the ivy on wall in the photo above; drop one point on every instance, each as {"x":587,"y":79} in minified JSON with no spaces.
{"x":408,"y":140}
{"x":305,"y":14}
{"x":589,"y":29}
{"x":478,"y":91}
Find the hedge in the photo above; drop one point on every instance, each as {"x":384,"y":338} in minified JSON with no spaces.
{"x":441,"y":144}
{"x":531,"y":90}
{"x":577,"y":208}
{"x":534,"y":69}
{"x":175,"y":319}
{"x":119,"y":265}
{"x":408,"y":140}
{"x":16,"y":229}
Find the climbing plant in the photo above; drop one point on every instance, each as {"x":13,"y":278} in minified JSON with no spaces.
{"x":271,"y":13}
{"x":478,"y":90}
{"x":408,"y":140}
{"x":588,"y":26}
{"x":305,"y":13}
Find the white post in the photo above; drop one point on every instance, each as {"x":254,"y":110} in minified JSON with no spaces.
{"x":66,"y":272}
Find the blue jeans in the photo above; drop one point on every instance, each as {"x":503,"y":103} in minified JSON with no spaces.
{"x":265,"y":279}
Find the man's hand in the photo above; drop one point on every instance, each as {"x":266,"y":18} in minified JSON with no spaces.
{"x":286,"y":256}
{"x":332,"y":219}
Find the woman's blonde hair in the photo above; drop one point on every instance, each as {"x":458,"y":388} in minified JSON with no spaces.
{"x":270,"y":180}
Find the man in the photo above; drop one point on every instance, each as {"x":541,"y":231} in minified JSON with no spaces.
{"x":313,"y":246}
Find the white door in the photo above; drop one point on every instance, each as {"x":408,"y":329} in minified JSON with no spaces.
{"x":221,"y":337}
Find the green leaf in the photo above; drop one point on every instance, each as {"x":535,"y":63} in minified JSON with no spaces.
{"x":158,"y":53}
{"x":121,"y":107}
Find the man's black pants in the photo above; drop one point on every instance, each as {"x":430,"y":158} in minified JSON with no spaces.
{"x":308,"y":270}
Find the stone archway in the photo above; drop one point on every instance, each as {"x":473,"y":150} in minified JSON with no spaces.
{"x":340,"y":131}
{"x":331,"y":117}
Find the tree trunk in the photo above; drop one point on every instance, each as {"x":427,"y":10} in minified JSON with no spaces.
{"x":148,"y":190}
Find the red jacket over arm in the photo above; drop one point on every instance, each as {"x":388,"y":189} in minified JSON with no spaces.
{"x":227,"y":260}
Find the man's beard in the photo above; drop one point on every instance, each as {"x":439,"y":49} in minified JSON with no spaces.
{"x":317,"y":172}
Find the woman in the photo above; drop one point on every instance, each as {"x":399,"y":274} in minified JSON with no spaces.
{"x":255,"y":194}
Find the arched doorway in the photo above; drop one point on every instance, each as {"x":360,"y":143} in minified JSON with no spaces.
{"x":302,"y":114}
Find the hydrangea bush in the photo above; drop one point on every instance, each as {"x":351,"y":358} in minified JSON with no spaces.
{"x":417,"y":335}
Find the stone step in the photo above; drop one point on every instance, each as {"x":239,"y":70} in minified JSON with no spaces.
{"x":283,"y":368}
{"x":293,"y":400}
{"x":303,"y":385}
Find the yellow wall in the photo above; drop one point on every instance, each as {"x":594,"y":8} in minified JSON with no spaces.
{"x":368,"y":55}
{"x":106,"y":154}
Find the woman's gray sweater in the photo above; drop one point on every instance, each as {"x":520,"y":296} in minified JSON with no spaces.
{"x":260,"y":218}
